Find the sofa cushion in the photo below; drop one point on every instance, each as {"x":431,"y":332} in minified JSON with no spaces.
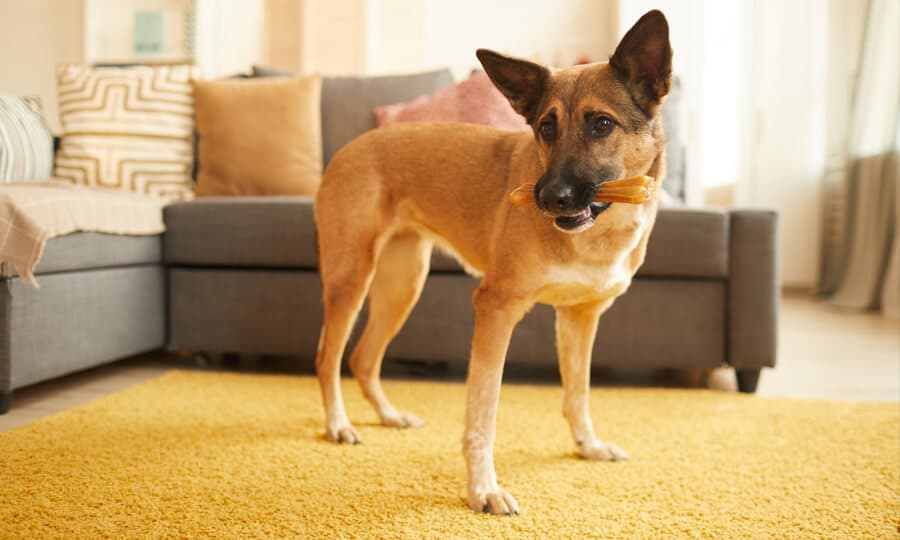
{"x":251,"y":232}
{"x":263,"y":231}
{"x":90,"y":251}
{"x":280,"y":232}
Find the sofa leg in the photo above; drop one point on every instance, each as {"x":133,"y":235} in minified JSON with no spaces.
{"x":747,"y":380}
{"x":4,"y":401}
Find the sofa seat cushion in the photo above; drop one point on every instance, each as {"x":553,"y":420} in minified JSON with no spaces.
{"x":691,"y":243}
{"x":91,"y":251}
{"x":280,"y":232}
{"x":257,"y":231}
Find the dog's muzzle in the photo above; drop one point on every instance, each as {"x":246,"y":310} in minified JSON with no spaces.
{"x":570,"y":207}
{"x":582,"y":220}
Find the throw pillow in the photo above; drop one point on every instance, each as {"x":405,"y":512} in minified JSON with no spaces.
{"x":475,"y":101}
{"x":259,"y":136}
{"x":26,"y":146}
{"x":127,"y":129}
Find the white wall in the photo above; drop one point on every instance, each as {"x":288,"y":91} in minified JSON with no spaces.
{"x":36,"y":36}
{"x":282,"y":34}
{"x":767,"y":85}
{"x":556,"y":32}
{"x":393,"y":36}
{"x":334,"y":36}
{"x":230,"y":36}
{"x":396,"y":36}
{"x":710,"y":57}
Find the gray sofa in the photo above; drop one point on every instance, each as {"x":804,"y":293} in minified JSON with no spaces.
{"x":239,"y":275}
{"x":102,"y":297}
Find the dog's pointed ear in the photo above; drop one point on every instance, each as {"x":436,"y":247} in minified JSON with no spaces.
{"x":643,"y":61}
{"x":522,"y":82}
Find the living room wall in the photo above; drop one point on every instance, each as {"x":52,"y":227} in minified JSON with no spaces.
{"x":35,"y":36}
{"x":391,"y":36}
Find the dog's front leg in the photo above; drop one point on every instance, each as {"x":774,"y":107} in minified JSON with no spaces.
{"x":576,"y":329}
{"x":496,"y":314}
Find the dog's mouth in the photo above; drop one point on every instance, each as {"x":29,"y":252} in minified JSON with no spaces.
{"x":582,"y":220}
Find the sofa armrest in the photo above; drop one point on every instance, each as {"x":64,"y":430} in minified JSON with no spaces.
{"x":753,"y":289}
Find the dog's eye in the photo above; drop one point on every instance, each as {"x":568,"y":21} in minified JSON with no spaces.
{"x":548,"y":130}
{"x":602,"y":126}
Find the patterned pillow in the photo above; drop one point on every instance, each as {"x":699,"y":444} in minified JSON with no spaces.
{"x":26,"y":146}
{"x":128,"y":129}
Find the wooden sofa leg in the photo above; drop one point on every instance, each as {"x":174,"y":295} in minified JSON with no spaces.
{"x":747,"y":380}
{"x":4,"y":401}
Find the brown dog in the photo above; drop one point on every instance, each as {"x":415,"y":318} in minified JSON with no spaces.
{"x":393,"y":193}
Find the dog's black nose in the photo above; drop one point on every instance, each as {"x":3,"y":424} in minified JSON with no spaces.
{"x":558,"y":198}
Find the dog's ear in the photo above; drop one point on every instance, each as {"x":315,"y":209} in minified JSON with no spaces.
{"x":522,"y":82}
{"x":643,"y":61}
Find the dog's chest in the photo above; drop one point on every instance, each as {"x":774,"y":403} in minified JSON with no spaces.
{"x":579,"y":284}
{"x":597,"y":272}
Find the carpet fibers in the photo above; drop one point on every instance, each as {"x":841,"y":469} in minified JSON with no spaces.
{"x":198,"y":454}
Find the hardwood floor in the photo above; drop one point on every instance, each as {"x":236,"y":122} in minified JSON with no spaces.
{"x":823,"y":353}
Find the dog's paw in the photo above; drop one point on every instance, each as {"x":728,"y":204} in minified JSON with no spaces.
{"x":402,"y":420}
{"x":601,"y":451}
{"x":342,"y":434}
{"x":497,"y":501}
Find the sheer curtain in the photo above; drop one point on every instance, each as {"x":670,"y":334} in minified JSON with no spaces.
{"x":860,"y":268}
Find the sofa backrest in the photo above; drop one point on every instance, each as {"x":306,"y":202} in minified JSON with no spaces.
{"x":348,"y":110}
{"x":348,"y":103}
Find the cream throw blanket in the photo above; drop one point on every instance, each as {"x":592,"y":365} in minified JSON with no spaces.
{"x":33,"y":212}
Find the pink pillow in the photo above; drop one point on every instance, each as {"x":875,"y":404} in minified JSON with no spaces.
{"x":474,"y":101}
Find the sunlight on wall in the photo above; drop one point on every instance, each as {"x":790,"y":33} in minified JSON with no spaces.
{"x":723,"y":93}
{"x":766,"y":88}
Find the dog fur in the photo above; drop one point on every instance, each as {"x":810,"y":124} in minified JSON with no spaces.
{"x":389,"y":196}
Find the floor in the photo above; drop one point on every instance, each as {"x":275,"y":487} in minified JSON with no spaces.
{"x":823,"y":353}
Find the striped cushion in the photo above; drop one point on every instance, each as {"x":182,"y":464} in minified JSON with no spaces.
{"x":26,"y":146}
{"x":127,"y":129}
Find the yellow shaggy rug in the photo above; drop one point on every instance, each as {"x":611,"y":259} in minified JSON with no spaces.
{"x":212,"y":455}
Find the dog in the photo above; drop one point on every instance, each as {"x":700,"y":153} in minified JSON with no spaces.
{"x":392,"y":194}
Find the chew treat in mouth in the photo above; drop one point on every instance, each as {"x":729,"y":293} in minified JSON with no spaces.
{"x":634,"y":190}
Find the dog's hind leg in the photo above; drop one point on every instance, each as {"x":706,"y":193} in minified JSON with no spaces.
{"x":401,"y":271}
{"x":346,"y":268}
{"x":576,"y":329}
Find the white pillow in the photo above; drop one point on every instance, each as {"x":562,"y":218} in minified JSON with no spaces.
{"x":26,"y":145}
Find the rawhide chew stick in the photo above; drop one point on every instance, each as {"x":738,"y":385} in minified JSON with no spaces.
{"x":634,"y":190}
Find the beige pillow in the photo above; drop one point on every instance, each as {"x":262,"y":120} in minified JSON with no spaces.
{"x":259,"y":136}
{"x":127,"y":129}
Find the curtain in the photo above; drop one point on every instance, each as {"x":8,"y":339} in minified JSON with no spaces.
{"x":860,"y":268}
